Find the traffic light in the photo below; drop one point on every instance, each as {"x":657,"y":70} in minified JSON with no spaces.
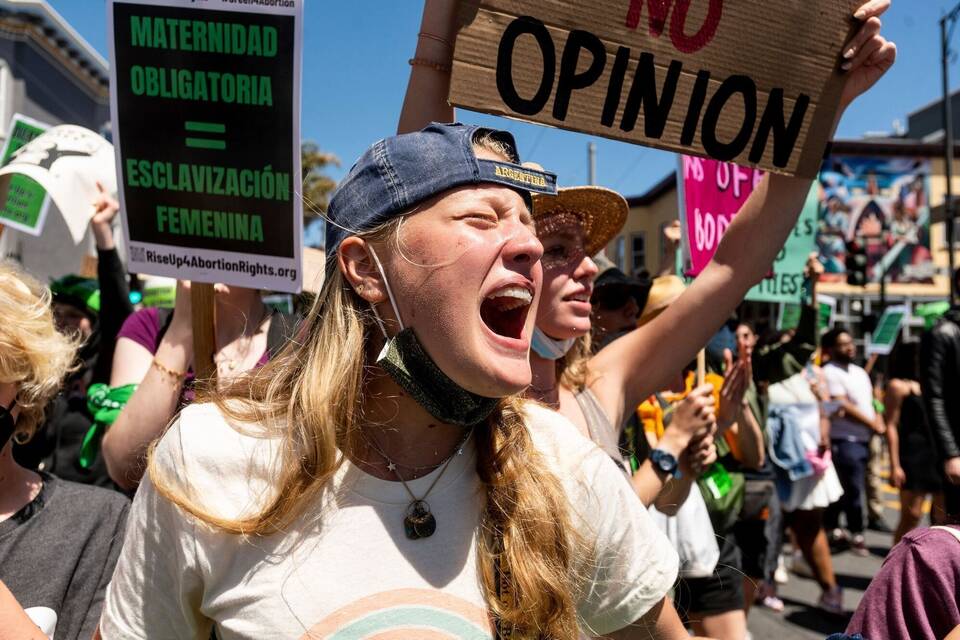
{"x":856,"y":264}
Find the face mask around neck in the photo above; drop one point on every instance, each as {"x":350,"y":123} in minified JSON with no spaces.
{"x":407,"y":362}
{"x":549,"y":348}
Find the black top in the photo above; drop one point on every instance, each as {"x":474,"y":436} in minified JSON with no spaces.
{"x":58,"y":552}
{"x":913,"y":418}
{"x":940,"y":355}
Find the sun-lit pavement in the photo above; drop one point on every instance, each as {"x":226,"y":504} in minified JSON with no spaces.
{"x":801,"y":620}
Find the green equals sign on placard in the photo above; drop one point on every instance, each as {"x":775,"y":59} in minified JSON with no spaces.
{"x":207,"y":128}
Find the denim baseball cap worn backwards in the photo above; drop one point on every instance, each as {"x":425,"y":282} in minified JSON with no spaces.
{"x":400,"y":172}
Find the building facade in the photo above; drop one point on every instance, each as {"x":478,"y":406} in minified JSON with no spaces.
{"x":47,"y":70}
{"x":50,"y":73}
{"x":640,"y":244}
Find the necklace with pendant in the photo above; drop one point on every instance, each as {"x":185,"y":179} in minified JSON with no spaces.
{"x":223,"y":359}
{"x":419,"y":521}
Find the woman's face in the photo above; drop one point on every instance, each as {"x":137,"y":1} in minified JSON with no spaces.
{"x":568,"y":273}
{"x":746,"y":338}
{"x":465,"y":270}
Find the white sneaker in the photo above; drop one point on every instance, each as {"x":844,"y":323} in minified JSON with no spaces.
{"x":780,"y":575}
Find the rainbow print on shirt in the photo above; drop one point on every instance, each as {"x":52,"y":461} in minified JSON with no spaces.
{"x":405,"y":614}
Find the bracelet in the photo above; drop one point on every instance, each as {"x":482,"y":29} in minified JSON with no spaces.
{"x":423,"y":62}
{"x":430,"y":36}
{"x":177,"y":376}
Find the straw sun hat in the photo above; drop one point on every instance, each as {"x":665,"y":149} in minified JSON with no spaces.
{"x":600,"y":212}
{"x":664,"y":291}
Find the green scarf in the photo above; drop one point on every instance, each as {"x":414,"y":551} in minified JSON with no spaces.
{"x":105,"y":404}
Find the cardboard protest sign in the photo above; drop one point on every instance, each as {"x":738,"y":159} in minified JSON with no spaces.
{"x":711,"y":193}
{"x":205,"y":100}
{"x":885,"y":336}
{"x":24,"y":203}
{"x":67,"y":161}
{"x":740,"y":81}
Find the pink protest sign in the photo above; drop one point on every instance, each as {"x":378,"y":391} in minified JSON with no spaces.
{"x":713,"y":192}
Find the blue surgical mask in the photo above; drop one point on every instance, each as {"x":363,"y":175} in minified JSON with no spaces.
{"x":549,"y":348}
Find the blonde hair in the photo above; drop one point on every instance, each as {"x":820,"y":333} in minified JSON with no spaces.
{"x":33,"y":354}
{"x":312,"y":393}
{"x":572,"y":368}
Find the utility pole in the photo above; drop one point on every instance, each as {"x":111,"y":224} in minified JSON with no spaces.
{"x":591,"y":163}
{"x":947,"y":24}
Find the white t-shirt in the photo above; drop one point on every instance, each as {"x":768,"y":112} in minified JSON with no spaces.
{"x":347,"y":569}
{"x":853,"y":383}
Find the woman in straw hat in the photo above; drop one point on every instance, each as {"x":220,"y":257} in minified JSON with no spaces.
{"x":573,"y":225}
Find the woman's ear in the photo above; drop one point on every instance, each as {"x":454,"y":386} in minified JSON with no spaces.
{"x":360,"y":269}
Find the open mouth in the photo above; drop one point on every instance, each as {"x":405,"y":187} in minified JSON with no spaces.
{"x":504,"y":311}
{"x":583,"y":296}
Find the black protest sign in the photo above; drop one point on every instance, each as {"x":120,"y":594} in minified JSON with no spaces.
{"x":205,"y":102}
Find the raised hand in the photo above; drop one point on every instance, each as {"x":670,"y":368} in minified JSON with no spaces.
{"x":813,"y":267}
{"x":736,"y":381}
{"x":105,"y":209}
{"x":699,"y":454}
{"x":672,"y":235}
{"x":694,"y":417}
{"x":868,"y":55}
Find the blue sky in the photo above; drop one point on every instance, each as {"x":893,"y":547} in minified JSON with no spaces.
{"x":355,"y":74}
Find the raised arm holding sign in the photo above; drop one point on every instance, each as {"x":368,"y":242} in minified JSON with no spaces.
{"x":639,"y":364}
{"x":205,"y":101}
{"x":770,"y":212}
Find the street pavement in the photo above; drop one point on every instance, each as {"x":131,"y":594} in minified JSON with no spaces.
{"x":800,"y":619}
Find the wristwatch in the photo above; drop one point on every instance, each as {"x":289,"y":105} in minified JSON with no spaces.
{"x":665,"y":462}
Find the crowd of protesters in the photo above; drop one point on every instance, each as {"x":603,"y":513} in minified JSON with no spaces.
{"x":476,"y":416}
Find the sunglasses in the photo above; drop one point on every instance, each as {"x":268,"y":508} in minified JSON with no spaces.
{"x":611,"y":298}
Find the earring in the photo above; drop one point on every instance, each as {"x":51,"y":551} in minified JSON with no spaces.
{"x":360,"y":288}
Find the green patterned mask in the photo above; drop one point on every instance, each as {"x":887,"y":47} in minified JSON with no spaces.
{"x":407,"y":362}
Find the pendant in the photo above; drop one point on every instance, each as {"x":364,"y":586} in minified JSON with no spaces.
{"x":419,"y":522}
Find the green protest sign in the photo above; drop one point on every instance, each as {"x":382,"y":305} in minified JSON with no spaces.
{"x":282,"y":302}
{"x":164,"y":297}
{"x":205,"y":100}
{"x":789,"y":317}
{"x":888,"y":330}
{"x":786,"y":283}
{"x":25,"y":203}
